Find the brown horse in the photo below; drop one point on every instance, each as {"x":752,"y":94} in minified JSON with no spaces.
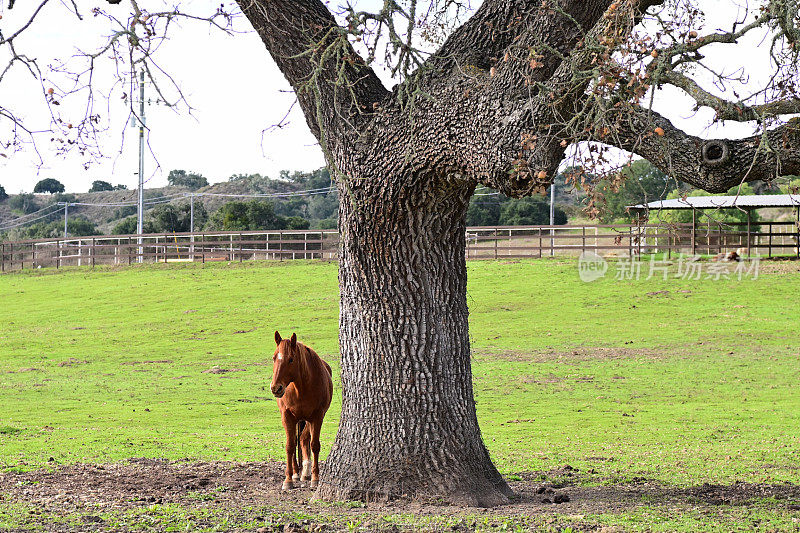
{"x":302,"y":383}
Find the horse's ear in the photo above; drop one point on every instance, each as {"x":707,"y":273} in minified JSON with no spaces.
{"x":278,"y":338}
{"x":294,"y":340}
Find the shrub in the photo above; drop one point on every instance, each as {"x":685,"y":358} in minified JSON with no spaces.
{"x":23,"y":203}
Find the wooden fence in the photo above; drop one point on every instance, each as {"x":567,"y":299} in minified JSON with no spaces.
{"x":766,"y":239}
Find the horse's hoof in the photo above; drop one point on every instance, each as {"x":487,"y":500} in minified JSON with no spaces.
{"x":287,"y":485}
{"x":305,"y":478}
{"x":295,"y":477}
{"x":314,"y":483}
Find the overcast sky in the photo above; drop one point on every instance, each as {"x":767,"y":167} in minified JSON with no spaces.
{"x":236,"y":92}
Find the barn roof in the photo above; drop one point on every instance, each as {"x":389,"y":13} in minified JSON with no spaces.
{"x":724,"y":202}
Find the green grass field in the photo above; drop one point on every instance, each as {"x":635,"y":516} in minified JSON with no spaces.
{"x":681,"y":382}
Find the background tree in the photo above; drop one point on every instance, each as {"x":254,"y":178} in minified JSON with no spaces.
{"x":76,"y":227}
{"x":639,"y":183}
{"x":496,"y":98}
{"x":484,"y":211}
{"x":99,"y":186}
{"x":500,"y":210}
{"x":296,"y":223}
{"x":128,"y":227}
{"x":190,"y":180}
{"x":3,"y":194}
{"x":171,"y":218}
{"x":49,"y":185}
{"x":252,"y":216}
{"x":529,"y":211}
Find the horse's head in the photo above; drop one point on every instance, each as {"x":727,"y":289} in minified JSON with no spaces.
{"x":285,"y":364}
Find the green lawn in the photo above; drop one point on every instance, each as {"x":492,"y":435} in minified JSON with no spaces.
{"x":679,"y":381}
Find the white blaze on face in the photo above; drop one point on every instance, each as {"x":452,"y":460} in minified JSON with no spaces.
{"x":280,"y":356}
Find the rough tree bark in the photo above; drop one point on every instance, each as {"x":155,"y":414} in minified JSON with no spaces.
{"x":405,"y":175}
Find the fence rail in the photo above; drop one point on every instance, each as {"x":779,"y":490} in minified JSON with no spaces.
{"x":765,"y":239}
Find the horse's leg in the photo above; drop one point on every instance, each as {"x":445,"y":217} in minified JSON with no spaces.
{"x":316,"y":427}
{"x":296,"y":472}
{"x":290,"y":426}
{"x":305,"y":449}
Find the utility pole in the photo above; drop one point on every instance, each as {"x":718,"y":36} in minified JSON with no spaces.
{"x":191,"y":225}
{"x":66,"y":214}
{"x":140,"y":211}
{"x":552,"y":216}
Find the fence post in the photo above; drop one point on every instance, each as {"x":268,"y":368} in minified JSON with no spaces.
{"x":769,"y":241}
{"x":241,"y":247}
{"x":583,"y":240}
{"x":797,"y":231}
{"x":495,"y":243}
{"x":280,"y":245}
{"x":93,"y":251}
{"x":540,"y":242}
{"x":670,"y":240}
{"x":630,"y":241}
{"x":2,"y":257}
{"x":203,"y":246}
{"x":129,"y":251}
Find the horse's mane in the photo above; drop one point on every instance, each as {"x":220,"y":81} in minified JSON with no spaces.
{"x":305,"y":356}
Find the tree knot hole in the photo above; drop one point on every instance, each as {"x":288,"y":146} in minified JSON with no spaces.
{"x":715,"y":153}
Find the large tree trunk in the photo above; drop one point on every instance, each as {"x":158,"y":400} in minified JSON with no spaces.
{"x":408,"y":424}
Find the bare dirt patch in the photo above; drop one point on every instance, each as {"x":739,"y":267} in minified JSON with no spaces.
{"x":586,"y":353}
{"x":254,"y":488}
{"x":72,"y":362}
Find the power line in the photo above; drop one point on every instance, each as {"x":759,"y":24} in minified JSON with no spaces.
{"x":170,"y":197}
{"x":10,"y":226}
{"x":30,"y":214}
{"x":125,"y":203}
{"x":157,"y":200}
{"x":289,"y":194}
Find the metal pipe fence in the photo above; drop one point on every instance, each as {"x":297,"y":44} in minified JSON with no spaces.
{"x":766,"y":239}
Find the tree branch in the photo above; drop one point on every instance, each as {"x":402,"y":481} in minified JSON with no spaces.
{"x":335,"y":88}
{"x":727,"y":110}
{"x":714,"y":165}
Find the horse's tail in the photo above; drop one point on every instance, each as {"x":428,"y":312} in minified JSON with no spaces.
{"x":301,"y":425}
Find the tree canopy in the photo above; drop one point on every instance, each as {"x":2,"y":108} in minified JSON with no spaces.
{"x":99,"y":186}
{"x":49,"y":185}
{"x":190,"y":180}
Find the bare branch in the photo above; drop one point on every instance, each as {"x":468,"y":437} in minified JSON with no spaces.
{"x":727,"y":110}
